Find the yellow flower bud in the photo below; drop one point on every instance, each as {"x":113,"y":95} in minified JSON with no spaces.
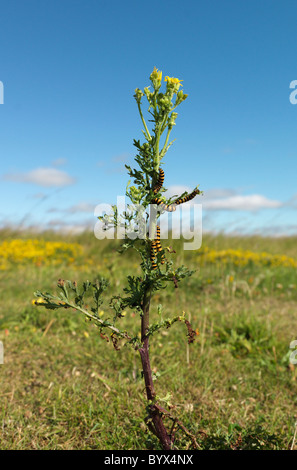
{"x":138,"y":95}
{"x":156,"y":78}
{"x":156,"y":75}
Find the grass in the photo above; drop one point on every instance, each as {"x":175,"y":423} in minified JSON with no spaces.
{"x":64,"y":387}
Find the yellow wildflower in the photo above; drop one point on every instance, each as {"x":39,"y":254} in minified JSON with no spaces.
{"x":172,"y":80}
{"x":244,"y":258}
{"x":37,"y":252}
{"x":173,"y":84}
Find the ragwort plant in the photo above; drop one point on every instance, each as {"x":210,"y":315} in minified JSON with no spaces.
{"x":142,"y":233}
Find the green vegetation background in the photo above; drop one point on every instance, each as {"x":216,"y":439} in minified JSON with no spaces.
{"x":64,"y":387}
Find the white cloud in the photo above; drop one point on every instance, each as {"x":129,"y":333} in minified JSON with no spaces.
{"x":217,"y":199}
{"x":46,"y":177}
{"x":292,"y":202}
{"x":176,"y":191}
{"x":82,"y":207}
{"x":217,"y":193}
{"x":63,"y":226}
{"x":79,"y":207}
{"x":59,"y":162}
{"x":253,"y":202}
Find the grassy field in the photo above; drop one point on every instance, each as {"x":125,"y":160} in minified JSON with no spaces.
{"x":64,"y":387}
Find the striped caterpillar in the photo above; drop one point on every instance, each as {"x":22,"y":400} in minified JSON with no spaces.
{"x":155,"y":248}
{"x":158,"y":244}
{"x":153,"y":254}
{"x":160,"y":181}
{"x":172,"y":207}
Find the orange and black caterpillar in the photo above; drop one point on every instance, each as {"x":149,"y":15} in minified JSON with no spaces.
{"x":187,"y":198}
{"x":160,"y":181}
{"x":153,"y":254}
{"x":172,"y":207}
{"x":166,"y":207}
{"x":156,"y":247}
{"x":158,"y":244}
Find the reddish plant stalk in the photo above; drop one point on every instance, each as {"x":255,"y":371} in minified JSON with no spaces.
{"x":154,"y":420}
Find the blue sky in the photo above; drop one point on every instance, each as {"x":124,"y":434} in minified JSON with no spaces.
{"x":69,"y":69}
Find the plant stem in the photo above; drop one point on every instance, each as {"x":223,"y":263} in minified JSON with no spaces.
{"x":97,"y":320}
{"x":156,"y":149}
{"x":155,"y":421}
{"x":148,"y":135}
{"x":166,"y":142}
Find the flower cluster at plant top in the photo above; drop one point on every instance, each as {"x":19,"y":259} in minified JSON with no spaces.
{"x":38,"y":252}
{"x":244,"y":258}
